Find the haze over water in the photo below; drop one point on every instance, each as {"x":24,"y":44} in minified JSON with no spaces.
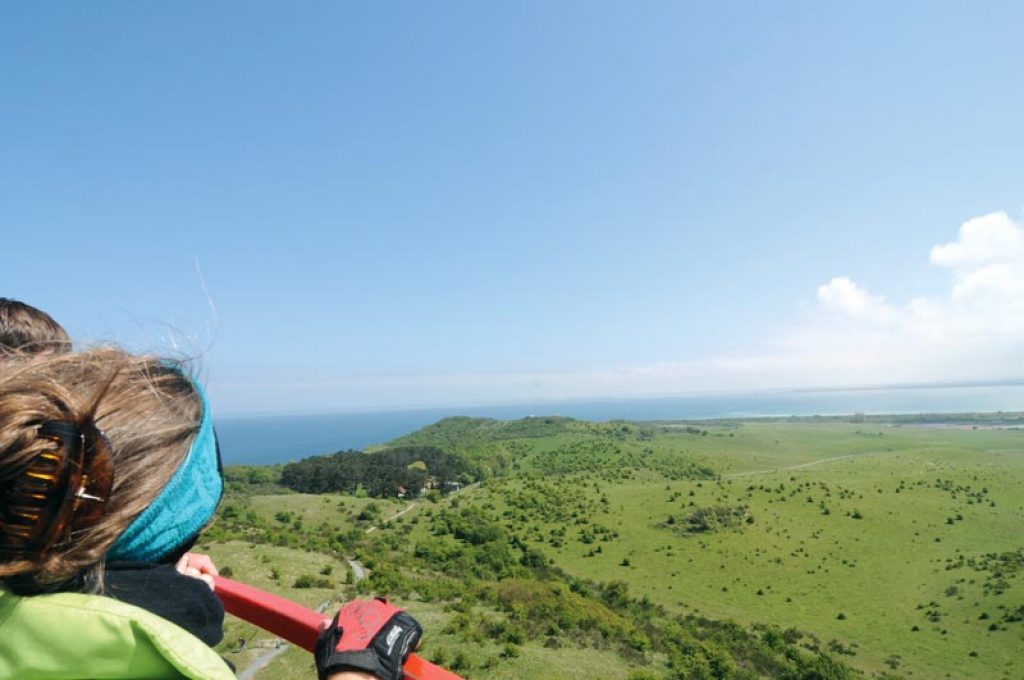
{"x":276,"y":439}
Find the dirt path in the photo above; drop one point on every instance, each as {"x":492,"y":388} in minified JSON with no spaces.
{"x":264,"y":659}
{"x":414,"y":504}
{"x":409,"y":507}
{"x":358,"y":571}
{"x":735,"y":475}
{"x":261,"y":661}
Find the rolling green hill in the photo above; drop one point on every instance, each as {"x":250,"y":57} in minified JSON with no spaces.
{"x":806,"y":548}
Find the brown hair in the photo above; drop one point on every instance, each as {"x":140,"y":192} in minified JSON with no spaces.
{"x":146,"y":407}
{"x":26,"y":330}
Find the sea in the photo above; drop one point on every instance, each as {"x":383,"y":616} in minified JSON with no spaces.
{"x":264,"y":440}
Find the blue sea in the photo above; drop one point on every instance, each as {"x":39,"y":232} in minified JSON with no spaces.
{"x":278,"y":439}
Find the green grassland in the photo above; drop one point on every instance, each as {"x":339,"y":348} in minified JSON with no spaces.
{"x":795,"y":566}
{"x":254,"y":564}
{"x":623,"y":550}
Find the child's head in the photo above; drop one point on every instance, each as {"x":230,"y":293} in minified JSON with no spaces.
{"x":151,"y":421}
{"x":26,"y":330}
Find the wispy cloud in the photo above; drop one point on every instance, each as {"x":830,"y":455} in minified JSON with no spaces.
{"x":853,"y":336}
{"x":850,"y":336}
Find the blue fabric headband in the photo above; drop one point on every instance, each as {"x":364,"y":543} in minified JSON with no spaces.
{"x":183,"y":507}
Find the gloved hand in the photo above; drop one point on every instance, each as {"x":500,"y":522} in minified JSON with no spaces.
{"x":367,"y":635}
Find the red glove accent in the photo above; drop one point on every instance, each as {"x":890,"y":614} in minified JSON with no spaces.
{"x":362,"y":620}
{"x":370,"y":636}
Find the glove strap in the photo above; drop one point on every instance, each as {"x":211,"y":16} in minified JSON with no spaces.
{"x":365,"y":660}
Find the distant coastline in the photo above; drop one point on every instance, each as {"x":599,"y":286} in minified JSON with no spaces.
{"x":280,"y":438}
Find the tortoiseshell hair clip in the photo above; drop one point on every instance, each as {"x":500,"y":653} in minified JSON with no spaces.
{"x":62,"y":491}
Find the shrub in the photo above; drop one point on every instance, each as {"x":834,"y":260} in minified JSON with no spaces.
{"x":461,"y":661}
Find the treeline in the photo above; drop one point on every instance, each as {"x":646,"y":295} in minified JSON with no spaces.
{"x":405,"y":469}
{"x":254,"y":479}
{"x":466,"y":434}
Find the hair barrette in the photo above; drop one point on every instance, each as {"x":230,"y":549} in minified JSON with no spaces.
{"x":62,"y":491}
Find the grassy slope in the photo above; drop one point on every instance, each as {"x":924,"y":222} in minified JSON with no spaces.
{"x":795,"y":556}
{"x":808,"y":566}
{"x":253,"y":563}
{"x":313,"y":509}
{"x":875,"y":570}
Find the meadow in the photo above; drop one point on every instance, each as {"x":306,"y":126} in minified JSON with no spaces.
{"x":877,"y":548}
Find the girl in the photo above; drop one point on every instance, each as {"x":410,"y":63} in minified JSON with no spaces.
{"x":109,"y":469}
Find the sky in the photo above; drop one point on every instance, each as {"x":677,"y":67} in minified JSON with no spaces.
{"x":346,"y":206}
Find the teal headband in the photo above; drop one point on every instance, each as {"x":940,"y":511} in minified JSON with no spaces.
{"x":183,"y":507}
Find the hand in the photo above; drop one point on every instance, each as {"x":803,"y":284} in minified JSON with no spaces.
{"x":367,"y":636}
{"x":197,"y":565}
{"x":345,"y":675}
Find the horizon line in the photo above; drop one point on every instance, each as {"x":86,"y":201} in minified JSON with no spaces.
{"x":966,"y":384}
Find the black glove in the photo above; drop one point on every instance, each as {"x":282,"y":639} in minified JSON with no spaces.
{"x":370,"y":636}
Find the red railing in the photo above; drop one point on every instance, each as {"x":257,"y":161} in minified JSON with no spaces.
{"x":298,"y":624}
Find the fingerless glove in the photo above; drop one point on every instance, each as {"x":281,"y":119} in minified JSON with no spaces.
{"x":367,"y":635}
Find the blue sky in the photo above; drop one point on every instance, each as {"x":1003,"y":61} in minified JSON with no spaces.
{"x":358,"y":205}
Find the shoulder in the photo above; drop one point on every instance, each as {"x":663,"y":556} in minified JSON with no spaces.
{"x":73,"y":635}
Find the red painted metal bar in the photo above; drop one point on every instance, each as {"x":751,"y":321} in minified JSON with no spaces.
{"x":297,"y":624}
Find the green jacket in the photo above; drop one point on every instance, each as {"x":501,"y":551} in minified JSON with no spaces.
{"x":68,"y":636}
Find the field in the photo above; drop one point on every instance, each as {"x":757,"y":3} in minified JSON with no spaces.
{"x":893,"y":548}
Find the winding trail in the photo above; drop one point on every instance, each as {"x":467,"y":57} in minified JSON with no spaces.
{"x":409,"y":507}
{"x":358,"y":571}
{"x":735,"y":475}
{"x":414,"y":504}
{"x":261,"y":661}
{"x":264,"y":659}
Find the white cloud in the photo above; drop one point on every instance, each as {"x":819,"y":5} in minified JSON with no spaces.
{"x":984,"y":240}
{"x":974,"y":332}
{"x":851,"y":337}
{"x":847,"y":298}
